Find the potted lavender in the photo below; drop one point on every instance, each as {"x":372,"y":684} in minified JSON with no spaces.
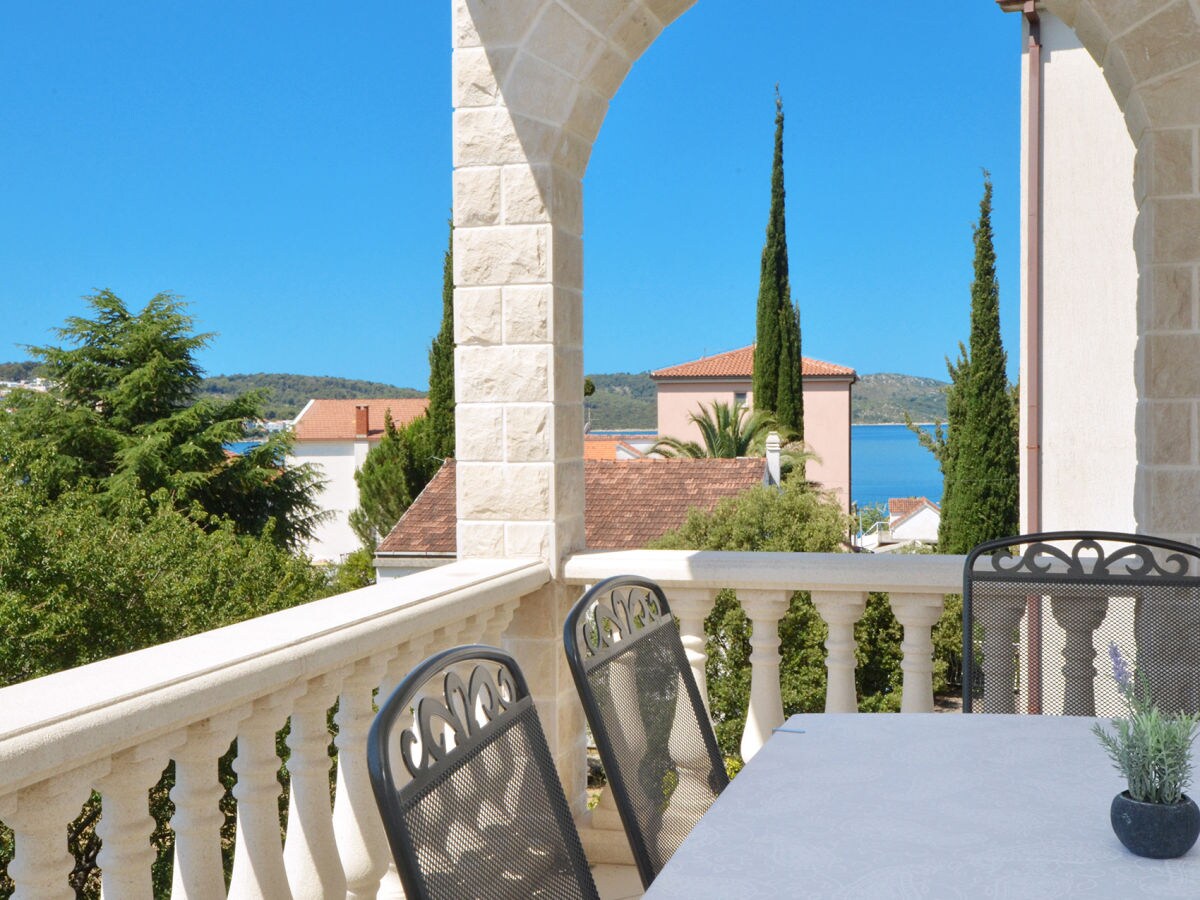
{"x":1153,"y":750}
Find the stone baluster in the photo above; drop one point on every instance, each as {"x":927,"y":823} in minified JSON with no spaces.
{"x":41,"y":862}
{"x":764,"y":609}
{"x":125,"y":826}
{"x":917,"y":613}
{"x":1079,"y":617}
{"x":840,"y":610}
{"x":692,"y":606}
{"x":1000,"y":617}
{"x":493,"y":632}
{"x":401,"y":664}
{"x":199,"y":873}
{"x":258,"y":871}
{"x":359,"y":832}
{"x":314,"y":869}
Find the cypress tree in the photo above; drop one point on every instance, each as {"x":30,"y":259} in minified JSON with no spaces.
{"x":441,"y":364}
{"x":393,"y":474}
{"x":983,"y":493}
{"x":776,"y":382}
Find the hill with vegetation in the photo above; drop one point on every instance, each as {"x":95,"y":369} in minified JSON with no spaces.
{"x":886,"y":397}
{"x":288,"y":393}
{"x":622,"y":401}
{"x":17,"y":371}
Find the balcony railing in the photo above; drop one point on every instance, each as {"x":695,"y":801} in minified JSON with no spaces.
{"x":112,"y":727}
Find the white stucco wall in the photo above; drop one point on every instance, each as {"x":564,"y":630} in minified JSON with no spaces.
{"x":1090,"y":283}
{"x":337,"y":462}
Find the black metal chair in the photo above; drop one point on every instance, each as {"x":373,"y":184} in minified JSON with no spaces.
{"x":484,"y":814}
{"x":646,"y":714}
{"x":1083,"y":592}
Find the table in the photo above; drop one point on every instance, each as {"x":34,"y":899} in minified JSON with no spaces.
{"x":933,"y":805}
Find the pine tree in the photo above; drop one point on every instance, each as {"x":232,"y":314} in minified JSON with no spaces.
{"x":393,"y":474}
{"x":441,"y":365}
{"x":981,"y":498}
{"x":777,"y":357}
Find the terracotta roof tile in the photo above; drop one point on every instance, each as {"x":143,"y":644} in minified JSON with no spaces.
{"x":333,"y":420}
{"x":740,"y":364}
{"x":600,"y":447}
{"x":627,"y":504}
{"x":898,"y":507}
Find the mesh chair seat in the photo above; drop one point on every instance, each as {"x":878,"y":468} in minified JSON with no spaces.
{"x":1040,"y":612}
{"x":467,"y":788}
{"x":646,"y":715}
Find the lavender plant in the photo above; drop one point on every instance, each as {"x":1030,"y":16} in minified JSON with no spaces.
{"x":1151,"y":750}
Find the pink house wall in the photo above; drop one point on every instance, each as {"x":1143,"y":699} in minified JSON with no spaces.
{"x":826,"y":420}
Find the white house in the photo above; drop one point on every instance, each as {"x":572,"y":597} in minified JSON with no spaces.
{"x":911,"y":520}
{"x":334,"y":436}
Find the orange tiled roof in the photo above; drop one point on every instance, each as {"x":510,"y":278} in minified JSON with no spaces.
{"x":899,"y":507}
{"x":333,"y":420}
{"x":740,"y":364}
{"x":600,"y":447}
{"x":627,"y":504}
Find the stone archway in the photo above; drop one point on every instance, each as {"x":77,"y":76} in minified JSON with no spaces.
{"x":532,"y":83}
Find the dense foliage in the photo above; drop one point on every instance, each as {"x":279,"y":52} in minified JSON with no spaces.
{"x":18,"y":371}
{"x":441,"y":365}
{"x":980,"y":455}
{"x":622,"y":401}
{"x":391,"y":477}
{"x":122,"y":420}
{"x":777,"y":360}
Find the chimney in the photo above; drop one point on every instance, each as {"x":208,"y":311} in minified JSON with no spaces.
{"x":362,"y":422}
{"x":773,"y":473}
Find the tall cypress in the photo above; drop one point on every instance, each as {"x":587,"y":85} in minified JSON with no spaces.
{"x":984,"y":497}
{"x":441,"y":364}
{"x":777,"y":386}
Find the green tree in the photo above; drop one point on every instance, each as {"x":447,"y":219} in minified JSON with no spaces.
{"x":777,"y":355}
{"x":122,"y":420}
{"x":980,"y":499}
{"x":390,"y":478}
{"x":441,"y":365}
{"x":791,"y":518}
{"x":727,"y":432}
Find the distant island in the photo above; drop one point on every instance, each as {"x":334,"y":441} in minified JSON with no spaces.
{"x":622,"y":401}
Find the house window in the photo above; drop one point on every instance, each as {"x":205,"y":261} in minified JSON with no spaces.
{"x":739,"y":398}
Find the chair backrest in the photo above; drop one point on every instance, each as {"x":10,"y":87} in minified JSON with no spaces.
{"x":1041,"y":613}
{"x":647,"y":717}
{"x":464,"y":780}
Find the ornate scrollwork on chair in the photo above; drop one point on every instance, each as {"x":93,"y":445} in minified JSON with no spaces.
{"x":616,"y":615}
{"x":1040,"y":609}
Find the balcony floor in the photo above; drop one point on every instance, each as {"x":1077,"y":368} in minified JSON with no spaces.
{"x":617,"y":882}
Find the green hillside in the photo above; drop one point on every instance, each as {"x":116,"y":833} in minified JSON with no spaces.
{"x":886,"y":397}
{"x":288,"y":393}
{"x":622,"y":401}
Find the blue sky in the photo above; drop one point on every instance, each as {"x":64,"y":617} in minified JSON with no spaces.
{"x":286,"y":169}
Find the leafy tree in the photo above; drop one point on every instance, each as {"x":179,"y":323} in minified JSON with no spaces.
{"x":777,"y":356}
{"x":441,"y":365}
{"x":727,"y":431}
{"x":122,"y":419}
{"x":393,"y":474}
{"x":789,"y":518}
{"x":980,"y":496}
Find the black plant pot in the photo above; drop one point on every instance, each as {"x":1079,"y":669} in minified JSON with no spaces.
{"x":1156,"y":830}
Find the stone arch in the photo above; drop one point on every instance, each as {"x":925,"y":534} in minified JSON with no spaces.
{"x":532,"y":84}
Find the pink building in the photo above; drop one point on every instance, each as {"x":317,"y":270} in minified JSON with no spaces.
{"x":727,"y":377}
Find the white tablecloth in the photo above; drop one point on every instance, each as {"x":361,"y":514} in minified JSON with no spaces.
{"x":937,"y":805}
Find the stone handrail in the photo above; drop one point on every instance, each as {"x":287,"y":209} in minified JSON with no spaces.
{"x":113,"y":726}
{"x":839,"y":584}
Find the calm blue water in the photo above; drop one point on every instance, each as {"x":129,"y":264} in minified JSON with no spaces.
{"x":240,"y":447}
{"x":887,"y":461}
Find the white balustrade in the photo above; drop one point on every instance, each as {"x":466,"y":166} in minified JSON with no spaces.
{"x":1079,"y":617}
{"x":113,"y":725}
{"x":765,"y":712}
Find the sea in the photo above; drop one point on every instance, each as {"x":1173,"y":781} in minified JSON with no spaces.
{"x":888,"y":461}
{"x":240,"y":447}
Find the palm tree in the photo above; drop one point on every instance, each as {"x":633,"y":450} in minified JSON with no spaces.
{"x":728,"y":431}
